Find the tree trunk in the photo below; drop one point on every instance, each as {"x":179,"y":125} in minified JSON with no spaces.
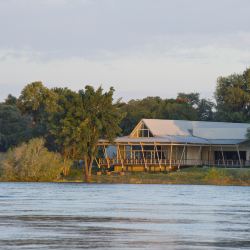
{"x":88,"y":169}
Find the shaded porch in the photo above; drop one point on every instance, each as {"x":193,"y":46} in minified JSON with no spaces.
{"x":163,"y":157}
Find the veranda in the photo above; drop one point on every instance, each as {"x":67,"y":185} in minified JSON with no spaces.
{"x":167,"y":156}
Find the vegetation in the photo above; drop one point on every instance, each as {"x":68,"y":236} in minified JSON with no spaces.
{"x":15,"y":128}
{"x":184,"y":107}
{"x":83,"y":119}
{"x":71,"y":122}
{"x":193,"y":175}
{"x":32,"y":162}
{"x":233,"y":97}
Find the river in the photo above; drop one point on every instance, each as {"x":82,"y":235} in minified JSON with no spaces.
{"x":92,"y":216}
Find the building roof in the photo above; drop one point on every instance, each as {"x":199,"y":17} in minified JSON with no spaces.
{"x":202,"y":129}
{"x":189,"y":132}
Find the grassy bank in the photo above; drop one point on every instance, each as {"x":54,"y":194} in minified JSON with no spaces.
{"x":201,"y":176}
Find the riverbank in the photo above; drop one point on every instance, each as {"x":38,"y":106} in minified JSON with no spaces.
{"x":195,"y":176}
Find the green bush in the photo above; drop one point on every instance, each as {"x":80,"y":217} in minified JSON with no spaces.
{"x":32,"y":162}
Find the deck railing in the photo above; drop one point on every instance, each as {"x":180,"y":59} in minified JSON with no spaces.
{"x":173,"y":162}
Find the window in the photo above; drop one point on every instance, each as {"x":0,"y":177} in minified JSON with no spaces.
{"x":142,"y":131}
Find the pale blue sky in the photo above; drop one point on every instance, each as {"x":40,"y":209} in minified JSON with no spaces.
{"x":141,"y":47}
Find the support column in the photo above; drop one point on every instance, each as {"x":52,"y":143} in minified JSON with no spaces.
{"x":106,"y":155}
{"x":223,"y":156}
{"x":171,"y":152}
{"x":200,"y":152}
{"x":120,"y":157}
{"x":143,"y":155}
{"x":209,"y":155}
{"x":157,"y":156}
{"x":98,"y":164}
{"x":182,"y":154}
{"x":237,"y":147}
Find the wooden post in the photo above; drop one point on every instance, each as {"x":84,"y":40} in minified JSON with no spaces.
{"x":106,"y":156}
{"x":183,"y":151}
{"x":117,"y":153}
{"x":223,"y":156}
{"x":237,"y":147}
{"x":145,"y":164}
{"x":131,"y":156}
{"x":200,"y":153}
{"x":157,"y":156}
{"x":209,"y":155}
{"x":99,"y":166}
{"x":171,"y":151}
{"x":120,"y":157}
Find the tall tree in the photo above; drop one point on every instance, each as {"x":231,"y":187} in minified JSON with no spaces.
{"x":37,"y":101}
{"x":86,"y":117}
{"x":63,"y":125}
{"x":233,"y":97}
{"x":102,"y":119}
{"x":14,"y":128}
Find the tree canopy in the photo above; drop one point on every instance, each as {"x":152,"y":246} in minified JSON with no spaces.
{"x":80,"y":119}
{"x":233,"y":97}
{"x":15,"y":128}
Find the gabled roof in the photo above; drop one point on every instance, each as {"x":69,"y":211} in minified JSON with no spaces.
{"x":188,"y":132}
{"x":201,"y":129}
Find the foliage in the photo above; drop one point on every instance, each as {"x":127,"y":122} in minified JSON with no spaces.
{"x":184,"y":107}
{"x":233,"y":97}
{"x":15,"y":128}
{"x":192,"y":175}
{"x":205,"y":110}
{"x":191,"y":98}
{"x":82,"y":119}
{"x":10,"y":100}
{"x":37,"y":101}
{"x":64,"y":122}
{"x":32,"y":162}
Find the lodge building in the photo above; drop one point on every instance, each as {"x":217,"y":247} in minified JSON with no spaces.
{"x":160,"y":145}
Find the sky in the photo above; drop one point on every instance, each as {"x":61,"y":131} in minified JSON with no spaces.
{"x":140,"y":47}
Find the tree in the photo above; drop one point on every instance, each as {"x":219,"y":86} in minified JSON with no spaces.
{"x":233,"y":97}
{"x":135,"y":110}
{"x":178,"y":110}
{"x":184,"y":107}
{"x":15,"y":128}
{"x":63,"y":124}
{"x":86,"y":117}
{"x":192,"y":99}
{"x":11,"y":100}
{"x":38,"y":101}
{"x":205,"y":110}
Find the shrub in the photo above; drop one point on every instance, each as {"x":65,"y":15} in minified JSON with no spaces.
{"x":32,"y":162}
{"x":217,"y":176}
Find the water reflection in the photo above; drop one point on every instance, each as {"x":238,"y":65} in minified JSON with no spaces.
{"x":78,"y":216}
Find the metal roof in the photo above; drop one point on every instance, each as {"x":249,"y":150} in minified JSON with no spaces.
{"x":189,"y":132}
{"x":226,"y":141}
{"x":202,"y":129}
{"x":176,"y":140}
{"x":162,"y":139}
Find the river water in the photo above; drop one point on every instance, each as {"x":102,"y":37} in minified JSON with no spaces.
{"x":82,"y":216}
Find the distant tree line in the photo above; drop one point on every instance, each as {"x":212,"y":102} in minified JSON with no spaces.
{"x":71,"y":122}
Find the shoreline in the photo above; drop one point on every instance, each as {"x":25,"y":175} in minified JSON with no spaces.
{"x":187,"y":176}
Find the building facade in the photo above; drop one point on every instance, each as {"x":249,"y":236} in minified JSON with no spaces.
{"x":160,"y":145}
